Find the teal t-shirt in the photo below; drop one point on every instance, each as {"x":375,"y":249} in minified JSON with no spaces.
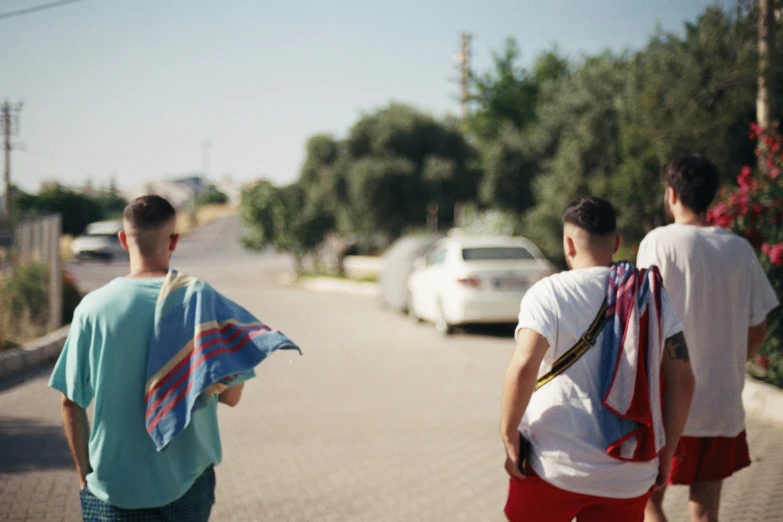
{"x":105,"y":359}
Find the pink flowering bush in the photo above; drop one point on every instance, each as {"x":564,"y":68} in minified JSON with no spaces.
{"x":752,"y":209}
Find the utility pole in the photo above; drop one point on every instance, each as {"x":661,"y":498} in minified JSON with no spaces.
{"x":206,"y":146}
{"x":9,"y":119}
{"x":463,"y":59}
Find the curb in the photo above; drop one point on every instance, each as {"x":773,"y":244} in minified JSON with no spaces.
{"x":33,"y":354}
{"x":763,"y":400}
{"x":327,"y":284}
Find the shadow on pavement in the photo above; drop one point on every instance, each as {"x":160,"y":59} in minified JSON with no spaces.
{"x":28,"y":445}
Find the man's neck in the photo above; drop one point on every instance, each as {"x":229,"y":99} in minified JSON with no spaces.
{"x":692,"y":219}
{"x":590,"y":262}
{"x":147,"y":269}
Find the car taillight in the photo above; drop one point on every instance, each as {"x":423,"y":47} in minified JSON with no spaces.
{"x":473,"y":282}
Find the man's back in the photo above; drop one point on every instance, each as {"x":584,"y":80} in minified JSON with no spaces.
{"x":718,"y":289}
{"x":106,"y":360}
{"x":562,"y":420}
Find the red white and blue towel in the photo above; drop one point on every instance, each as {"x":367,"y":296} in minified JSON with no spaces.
{"x":201,"y":342}
{"x":632,"y":419}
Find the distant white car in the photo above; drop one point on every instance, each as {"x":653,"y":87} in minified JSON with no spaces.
{"x":466,"y":280}
{"x":99,"y":241}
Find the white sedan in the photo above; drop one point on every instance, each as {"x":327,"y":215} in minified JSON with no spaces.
{"x":464,"y":280}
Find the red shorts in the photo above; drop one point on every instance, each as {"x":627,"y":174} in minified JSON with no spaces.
{"x":535,"y":500}
{"x":709,"y":458}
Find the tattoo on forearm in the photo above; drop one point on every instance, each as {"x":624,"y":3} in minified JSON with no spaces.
{"x":676,"y":347}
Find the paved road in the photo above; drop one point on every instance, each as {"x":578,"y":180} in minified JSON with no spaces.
{"x":380,"y":419}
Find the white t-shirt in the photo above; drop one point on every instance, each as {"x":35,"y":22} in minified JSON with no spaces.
{"x":718,"y":289}
{"x":560,"y":422}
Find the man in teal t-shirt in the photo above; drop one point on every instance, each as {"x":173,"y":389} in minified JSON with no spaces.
{"x":120,"y":471}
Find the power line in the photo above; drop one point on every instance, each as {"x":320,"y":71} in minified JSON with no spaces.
{"x":35,"y":9}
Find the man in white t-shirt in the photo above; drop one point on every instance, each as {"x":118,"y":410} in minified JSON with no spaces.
{"x":570,"y":472}
{"x":720,"y":292}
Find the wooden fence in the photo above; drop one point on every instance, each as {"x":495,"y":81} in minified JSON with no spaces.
{"x":38,"y":240}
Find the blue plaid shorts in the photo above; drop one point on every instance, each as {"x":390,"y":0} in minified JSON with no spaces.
{"x":193,"y":506}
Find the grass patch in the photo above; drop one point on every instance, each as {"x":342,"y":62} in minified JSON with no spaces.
{"x":362,"y":279}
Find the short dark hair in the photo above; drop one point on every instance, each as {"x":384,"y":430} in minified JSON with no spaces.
{"x":695,"y":180}
{"x":149,"y":212}
{"x":595,"y":215}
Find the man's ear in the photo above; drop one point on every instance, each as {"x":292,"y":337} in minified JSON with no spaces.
{"x":123,"y":240}
{"x":671,"y":195}
{"x":173,"y":242}
{"x":570,"y":248}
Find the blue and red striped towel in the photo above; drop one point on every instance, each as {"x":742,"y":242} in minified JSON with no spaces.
{"x":632,"y":419}
{"x":201,"y":342}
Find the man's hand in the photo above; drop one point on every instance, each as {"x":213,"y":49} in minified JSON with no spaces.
{"x":513,"y":456}
{"x":518,"y":387}
{"x":677,"y":395}
{"x":231,"y":396}
{"x":664,"y":467}
{"x":77,"y":432}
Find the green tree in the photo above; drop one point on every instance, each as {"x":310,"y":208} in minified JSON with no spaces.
{"x":507,"y":101}
{"x":279,"y":217}
{"x":397,"y":161}
{"x":582,"y":127}
{"x":77,"y":210}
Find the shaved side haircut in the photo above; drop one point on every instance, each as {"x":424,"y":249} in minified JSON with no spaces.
{"x":145,"y":220}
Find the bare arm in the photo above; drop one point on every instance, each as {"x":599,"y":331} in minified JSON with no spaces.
{"x":680,"y":383}
{"x":756,"y":336}
{"x":77,"y":429}
{"x":518,"y":388}
{"x":231,"y":396}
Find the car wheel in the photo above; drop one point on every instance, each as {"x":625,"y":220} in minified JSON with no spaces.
{"x":442,"y":326}
{"x":412,"y":310}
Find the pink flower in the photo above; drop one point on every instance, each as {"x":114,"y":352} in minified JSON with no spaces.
{"x":774,"y":172}
{"x":775,"y":254}
{"x":719,"y":215}
{"x":762,"y":361}
{"x":744,"y":179}
{"x":755,"y":130}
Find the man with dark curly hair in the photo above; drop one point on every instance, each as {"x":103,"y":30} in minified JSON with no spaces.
{"x":722,"y":296}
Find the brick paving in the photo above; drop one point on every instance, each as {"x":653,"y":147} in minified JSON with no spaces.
{"x":380,"y":420}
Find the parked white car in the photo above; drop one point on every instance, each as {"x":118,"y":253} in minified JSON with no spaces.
{"x":467,"y":280}
{"x":99,"y":241}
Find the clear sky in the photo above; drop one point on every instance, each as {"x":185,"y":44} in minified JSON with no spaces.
{"x":133,"y":87}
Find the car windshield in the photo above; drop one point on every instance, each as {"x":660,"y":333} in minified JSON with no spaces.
{"x":514,"y":253}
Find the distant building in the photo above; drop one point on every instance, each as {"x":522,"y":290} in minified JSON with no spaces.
{"x":180,"y":192}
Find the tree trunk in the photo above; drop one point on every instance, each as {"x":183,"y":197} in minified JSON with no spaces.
{"x":297,"y":265}
{"x":764,"y":102}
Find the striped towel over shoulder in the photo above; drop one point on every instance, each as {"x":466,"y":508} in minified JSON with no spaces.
{"x":200,"y":343}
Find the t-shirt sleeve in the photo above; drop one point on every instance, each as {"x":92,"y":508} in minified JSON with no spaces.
{"x":242,"y":378}
{"x":647,"y":254}
{"x":670,"y":323}
{"x":72,"y":372}
{"x":762,"y":296}
{"x":537,"y":312}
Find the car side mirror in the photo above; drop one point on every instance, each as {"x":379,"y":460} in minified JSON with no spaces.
{"x":420,"y":263}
